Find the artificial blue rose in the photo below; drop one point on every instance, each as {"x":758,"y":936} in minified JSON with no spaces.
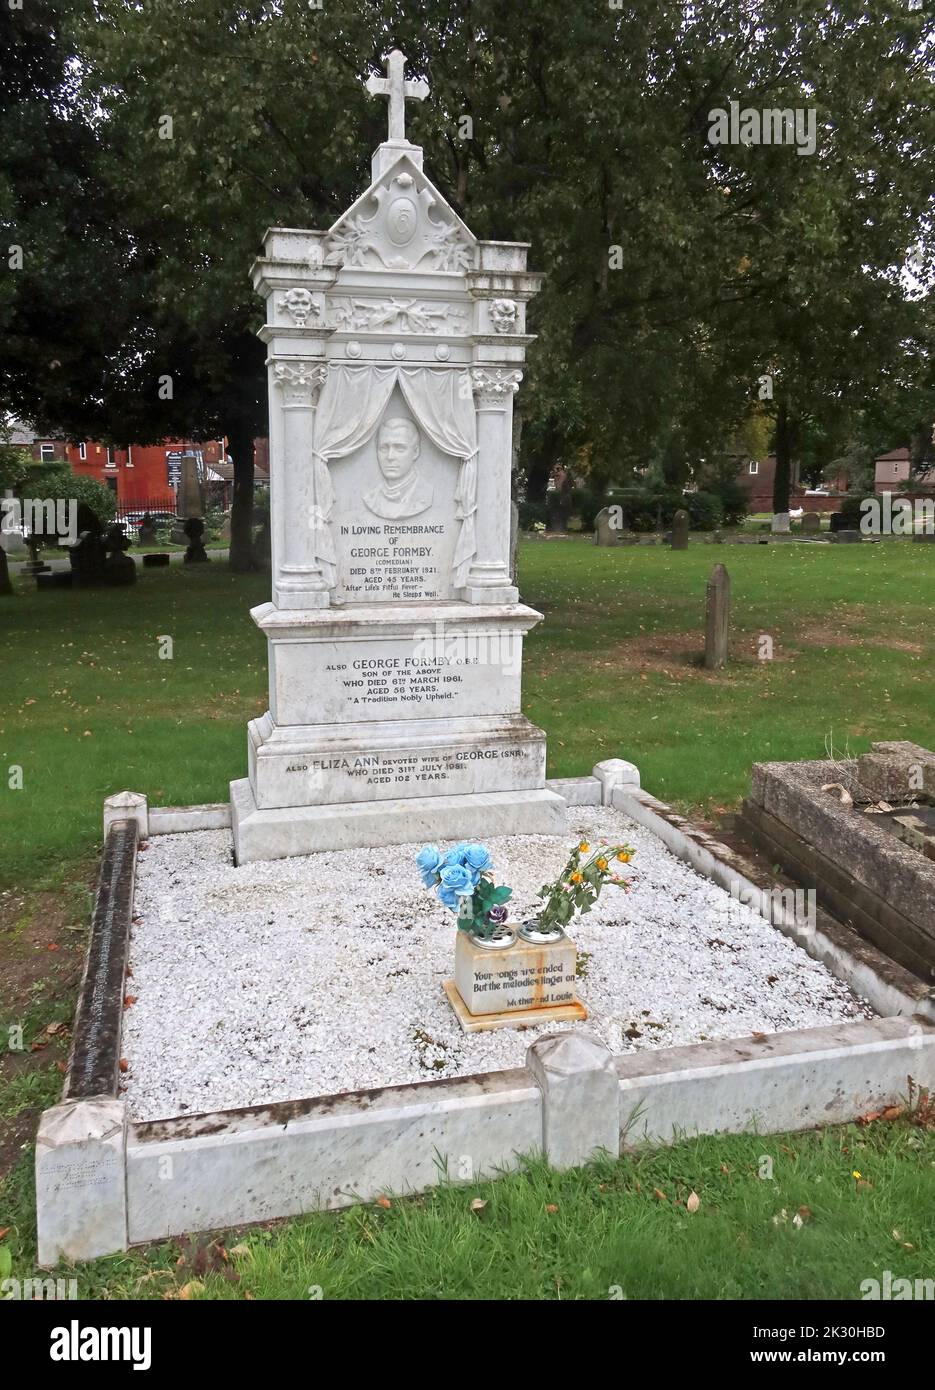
{"x":449,"y":897}
{"x":477,"y":857}
{"x":454,"y":855}
{"x":457,"y":878}
{"x":429,"y":861}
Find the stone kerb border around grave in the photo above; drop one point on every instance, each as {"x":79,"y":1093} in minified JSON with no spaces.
{"x":104,"y":1182}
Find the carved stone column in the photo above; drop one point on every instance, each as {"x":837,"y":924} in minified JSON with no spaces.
{"x":299,"y":581}
{"x":489,"y":580}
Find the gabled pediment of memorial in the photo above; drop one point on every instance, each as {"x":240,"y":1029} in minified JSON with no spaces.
{"x":401,"y":223}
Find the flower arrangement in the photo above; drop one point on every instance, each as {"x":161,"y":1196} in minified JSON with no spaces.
{"x":463,"y":879}
{"x":579,"y":885}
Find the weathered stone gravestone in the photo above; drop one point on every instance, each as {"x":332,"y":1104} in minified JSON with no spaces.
{"x":680,"y":530}
{"x":811,"y":523}
{"x":717,"y":619}
{"x":147,"y":531}
{"x":190,"y":499}
{"x":604,"y":532}
{"x":396,"y":341}
{"x":781,"y":524}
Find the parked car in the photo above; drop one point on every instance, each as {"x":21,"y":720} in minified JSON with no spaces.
{"x":133,"y":521}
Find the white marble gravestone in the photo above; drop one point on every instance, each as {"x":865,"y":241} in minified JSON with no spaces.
{"x":396,"y":342}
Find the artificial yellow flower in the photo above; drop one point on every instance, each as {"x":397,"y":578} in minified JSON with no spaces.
{"x":576,"y":877}
{"x":623,"y":857}
{"x":583,"y":847}
{"x":602,"y":864}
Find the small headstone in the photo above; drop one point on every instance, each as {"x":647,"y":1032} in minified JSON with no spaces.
{"x":119,"y":569}
{"x":226,"y":529}
{"x":147,"y":534}
{"x":848,"y":537}
{"x":196,"y":554}
{"x":87,"y":558}
{"x":680,"y":530}
{"x":811,"y":523}
{"x":837,"y":521}
{"x":155,"y":561}
{"x":717,"y":619}
{"x":717,"y":538}
{"x":604,"y":533}
{"x":11,"y":537}
{"x":781,"y":524}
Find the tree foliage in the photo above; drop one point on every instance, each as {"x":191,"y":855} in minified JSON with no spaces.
{"x":678,"y":271}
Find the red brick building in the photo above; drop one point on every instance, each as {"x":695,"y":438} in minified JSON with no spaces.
{"x":145,"y":475}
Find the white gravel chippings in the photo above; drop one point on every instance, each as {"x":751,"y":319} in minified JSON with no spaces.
{"x":320,"y":974}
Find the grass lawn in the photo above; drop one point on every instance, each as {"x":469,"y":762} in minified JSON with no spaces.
{"x":87,"y":708}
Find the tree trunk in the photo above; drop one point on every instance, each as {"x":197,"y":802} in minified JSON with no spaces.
{"x":242,"y":557}
{"x":6,"y":586}
{"x":782,"y":478}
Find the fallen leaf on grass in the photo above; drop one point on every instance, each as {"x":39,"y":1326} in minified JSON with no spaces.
{"x":862,"y":1185}
{"x":383,"y":1202}
{"x":478,"y":1205}
{"x":551,"y":1208}
{"x":241,"y":1252}
{"x":693,"y":1202}
{"x":661,"y":1195}
{"x":124,"y":1064}
{"x":759,"y":1037}
{"x":4,"y":1230}
{"x":191,"y":1289}
{"x":802,"y":1215}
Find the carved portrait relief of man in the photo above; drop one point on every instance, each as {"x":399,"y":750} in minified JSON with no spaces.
{"x":403,"y":491}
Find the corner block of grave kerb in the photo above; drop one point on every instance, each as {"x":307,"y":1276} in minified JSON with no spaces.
{"x":615,"y":772}
{"x":127,"y":806}
{"x":81,"y":1180}
{"x":580,"y":1097}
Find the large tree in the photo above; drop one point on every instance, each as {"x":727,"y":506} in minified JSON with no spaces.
{"x":678,"y":271}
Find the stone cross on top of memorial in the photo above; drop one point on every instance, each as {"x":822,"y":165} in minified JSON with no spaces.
{"x":396,"y":343}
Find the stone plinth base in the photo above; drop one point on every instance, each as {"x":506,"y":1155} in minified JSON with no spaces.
{"x":277,"y":834}
{"x":510,"y":1018}
{"x":332,"y":764}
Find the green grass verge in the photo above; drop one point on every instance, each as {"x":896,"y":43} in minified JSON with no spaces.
{"x":614,"y":1229}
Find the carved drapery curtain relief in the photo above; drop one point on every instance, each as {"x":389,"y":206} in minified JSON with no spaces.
{"x":352,"y":404}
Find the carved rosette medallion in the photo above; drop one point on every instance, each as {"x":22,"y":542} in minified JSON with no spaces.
{"x":300,"y":382}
